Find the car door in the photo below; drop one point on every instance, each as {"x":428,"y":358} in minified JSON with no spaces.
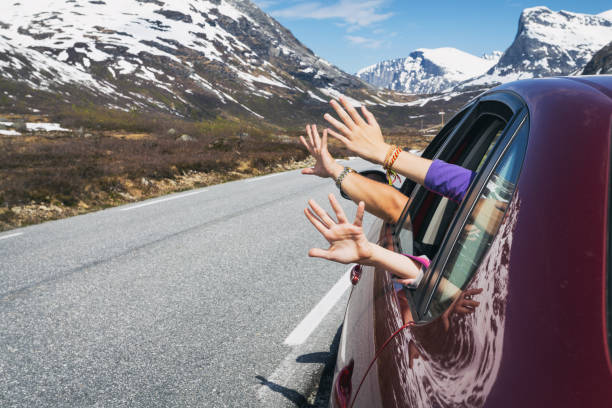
{"x":429,"y":226}
{"x":358,"y":347}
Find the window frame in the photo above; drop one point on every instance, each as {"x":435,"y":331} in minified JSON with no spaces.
{"x":467,"y":206}
{"x":442,"y":148}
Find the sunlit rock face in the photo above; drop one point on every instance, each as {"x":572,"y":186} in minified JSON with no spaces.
{"x":601,"y":63}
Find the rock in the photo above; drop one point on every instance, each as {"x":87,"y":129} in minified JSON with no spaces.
{"x":171,"y":132}
{"x":87,"y":135}
{"x":186,"y":138}
{"x":145,"y":182}
{"x":79,"y":132}
{"x":20,"y":125}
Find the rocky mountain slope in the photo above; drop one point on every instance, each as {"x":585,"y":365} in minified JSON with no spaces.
{"x":550,"y":43}
{"x":601,"y":63}
{"x":191,"y":58}
{"x":427,"y":71}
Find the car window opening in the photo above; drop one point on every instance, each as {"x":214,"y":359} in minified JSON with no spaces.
{"x":480,"y":228}
{"x":430,"y":214}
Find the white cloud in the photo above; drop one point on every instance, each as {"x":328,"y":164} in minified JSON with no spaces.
{"x":360,"y":13}
{"x":364,"y":42}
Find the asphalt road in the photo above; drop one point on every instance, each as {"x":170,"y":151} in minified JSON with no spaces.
{"x":183,"y":300}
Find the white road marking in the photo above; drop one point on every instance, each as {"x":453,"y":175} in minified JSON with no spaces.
{"x":262,"y":177}
{"x":162,"y":200}
{"x":11,"y":235}
{"x":316,"y":315}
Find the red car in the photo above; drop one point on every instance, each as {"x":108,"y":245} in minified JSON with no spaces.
{"x":515,"y":308}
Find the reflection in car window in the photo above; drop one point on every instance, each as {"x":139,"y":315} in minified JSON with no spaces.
{"x":423,"y":230}
{"x":481,"y":227}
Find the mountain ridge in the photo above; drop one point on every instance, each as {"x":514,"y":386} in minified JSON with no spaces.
{"x":189,"y":58}
{"x":546,"y":43}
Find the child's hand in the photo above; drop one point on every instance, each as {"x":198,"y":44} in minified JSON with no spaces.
{"x":362,"y":137}
{"x":347,"y":241}
{"x":325,"y":166}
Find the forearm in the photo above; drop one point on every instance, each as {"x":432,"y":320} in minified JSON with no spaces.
{"x":407,"y":164}
{"x":398,"y":264}
{"x":382,"y":200}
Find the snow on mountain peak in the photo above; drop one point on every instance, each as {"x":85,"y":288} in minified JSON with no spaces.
{"x":426,"y":70}
{"x":189,"y":52}
{"x":549,"y":43}
{"x":606,"y":14}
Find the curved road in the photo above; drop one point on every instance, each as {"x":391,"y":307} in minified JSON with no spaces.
{"x":183,"y":300}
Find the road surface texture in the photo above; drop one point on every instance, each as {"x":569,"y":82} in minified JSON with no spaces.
{"x":183,"y":300}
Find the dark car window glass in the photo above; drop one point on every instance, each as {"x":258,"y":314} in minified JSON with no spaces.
{"x":430,"y":215}
{"x":435,"y":144}
{"x":480,"y":228}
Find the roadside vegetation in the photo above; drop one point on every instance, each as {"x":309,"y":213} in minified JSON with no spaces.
{"x":111,"y":157}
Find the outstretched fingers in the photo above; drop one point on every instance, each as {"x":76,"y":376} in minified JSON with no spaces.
{"x":310,"y":138}
{"x":317,"y":139}
{"x":338,"y":209}
{"x":368,"y":115}
{"x":341,"y":127}
{"x":352,"y":112}
{"x":321,"y":213}
{"x":306,"y":145}
{"x":338,"y":136}
{"x":346,"y":118}
{"x":359,"y":216}
{"x":324,"y":141}
{"x":314,"y":220}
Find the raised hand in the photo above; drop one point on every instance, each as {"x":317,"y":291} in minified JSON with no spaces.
{"x":463,"y":304}
{"x":347,"y":242}
{"x":363,"y":137}
{"x":325,"y":166}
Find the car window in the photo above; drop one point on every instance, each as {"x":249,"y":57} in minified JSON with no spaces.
{"x":480,"y":227}
{"x":429,"y":214}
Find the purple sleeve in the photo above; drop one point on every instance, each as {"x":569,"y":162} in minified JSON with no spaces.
{"x":448,"y":180}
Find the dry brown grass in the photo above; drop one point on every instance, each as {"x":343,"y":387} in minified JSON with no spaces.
{"x":44,"y":177}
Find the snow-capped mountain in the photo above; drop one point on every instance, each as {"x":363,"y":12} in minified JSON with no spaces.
{"x":550,"y":43}
{"x":185,"y":57}
{"x":427,"y":70}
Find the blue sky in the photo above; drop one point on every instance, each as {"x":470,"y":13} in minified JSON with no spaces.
{"x":353,"y":34}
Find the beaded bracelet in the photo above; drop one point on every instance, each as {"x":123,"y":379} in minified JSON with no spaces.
{"x":342,"y":175}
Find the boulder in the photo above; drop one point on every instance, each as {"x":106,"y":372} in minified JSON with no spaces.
{"x":185,"y":138}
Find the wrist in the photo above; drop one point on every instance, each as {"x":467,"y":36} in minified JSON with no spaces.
{"x":335,"y":170}
{"x":380,"y":152}
{"x":375,"y":255}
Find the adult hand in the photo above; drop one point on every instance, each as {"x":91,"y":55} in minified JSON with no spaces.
{"x":363,"y":137}
{"x":347,"y":242}
{"x":325,"y":166}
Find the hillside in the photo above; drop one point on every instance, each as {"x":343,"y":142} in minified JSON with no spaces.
{"x":195,"y":59}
